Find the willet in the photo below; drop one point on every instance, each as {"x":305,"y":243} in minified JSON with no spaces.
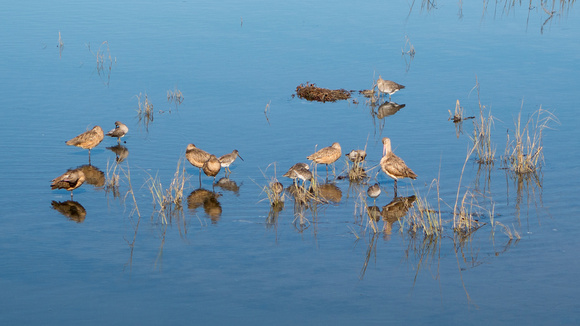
{"x":88,"y":139}
{"x":197,"y":157}
{"x":357,"y":155}
{"x":388,"y":87}
{"x":70,"y":180}
{"x":326,"y":155}
{"x":120,"y":130}
{"x":227,"y":159}
{"x":211,"y":167}
{"x":374,"y":191}
{"x":393,"y":165}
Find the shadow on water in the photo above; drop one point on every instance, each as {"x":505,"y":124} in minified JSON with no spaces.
{"x":71,"y":209}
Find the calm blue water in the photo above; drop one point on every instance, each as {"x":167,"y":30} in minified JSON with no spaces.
{"x":230,"y":60}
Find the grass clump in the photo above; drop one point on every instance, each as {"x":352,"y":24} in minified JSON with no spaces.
{"x":524,"y":153}
{"x":176,"y":97}
{"x":485,"y":149}
{"x":171,"y":198}
{"x":144,"y":110}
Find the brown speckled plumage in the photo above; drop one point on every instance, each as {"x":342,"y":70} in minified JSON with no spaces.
{"x":69,"y":181}
{"x":88,"y":139}
{"x":393,"y":165}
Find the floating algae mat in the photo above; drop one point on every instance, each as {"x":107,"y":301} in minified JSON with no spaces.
{"x":311,"y":92}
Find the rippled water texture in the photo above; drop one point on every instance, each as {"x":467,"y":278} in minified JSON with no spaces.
{"x":221,"y":75}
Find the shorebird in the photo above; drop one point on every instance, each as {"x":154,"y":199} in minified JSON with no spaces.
{"x":374,"y":191}
{"x":277,"y":188}
{"x":88,"y":139}
{"x":211,"y":167}
{"x":120,"y":130}
{"x":393,"y":165}
{"x":69,"y":181}
{"x":197,"y":157}
{"x":326,"y":155}
{"x":357,"y":155}
{"x":388,"y":87}
{"x":299,"y":171}
{"x":227,"y":159}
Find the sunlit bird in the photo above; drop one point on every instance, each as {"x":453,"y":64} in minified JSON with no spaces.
{"x":374,"y":191}
{"x":326,"y":155}
{"x":388,"y":87}
{"x":393,"y":165}
{"x":227,"y":159}
{"x":69,"y":181}
{"x":211,"y":167}
{"x":197,"y":157}
{"x":88,"y":139}
{"x":299,"y":171}
{"x":356,"y":155}
{"x":120,"y":130}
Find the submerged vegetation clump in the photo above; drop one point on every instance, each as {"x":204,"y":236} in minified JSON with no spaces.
{"x":311,"y":92}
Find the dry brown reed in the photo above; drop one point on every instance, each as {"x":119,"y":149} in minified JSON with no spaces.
{"x":144,"y":110}
{"x":176,"y":97}
{"x":168,"y":200}
{"x":524,"y":153}
{"x":485,"y":149}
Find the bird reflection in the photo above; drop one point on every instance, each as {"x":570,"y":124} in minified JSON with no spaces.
{"x":388,"y":108}
{"x":93,"y":175}
{"x":209,"y":201}
{"x":395,"y":210}
{"x":274,"y":212}
{"x":121,"y":152}
{"x":374,"y":213}
{"x":71,"y":209}
{"x":330,"y":192}
{"x":230,"y":185}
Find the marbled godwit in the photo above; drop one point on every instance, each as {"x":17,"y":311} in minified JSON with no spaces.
{"x":119,"y":131}
{"x":357,"y":155}
{"x":374,"y":191}
{"x":227,"y":159}
{"x":326,"y":155}
{"x":70,"y":180}
{"x":393,"y":165}
{"x":197,"y":157}
{"x":88,"y":139}
{"x":296,"y":170}
{"x":388,"y":87}
{"x":211,"y":167}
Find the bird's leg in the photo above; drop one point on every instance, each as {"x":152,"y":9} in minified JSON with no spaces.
{"x":71,"y":195}
{"x":395,"y":188}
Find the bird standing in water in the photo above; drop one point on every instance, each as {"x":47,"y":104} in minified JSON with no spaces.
{"x":326,"y":155}
{"x":393,"y":165}
{"x":88,"y":139}
{"x":227,"y":160}
{"x":69,"y":181}
{"x":211,"y":167}
{"x":388,"y":87}
{"x":120,"y":130}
